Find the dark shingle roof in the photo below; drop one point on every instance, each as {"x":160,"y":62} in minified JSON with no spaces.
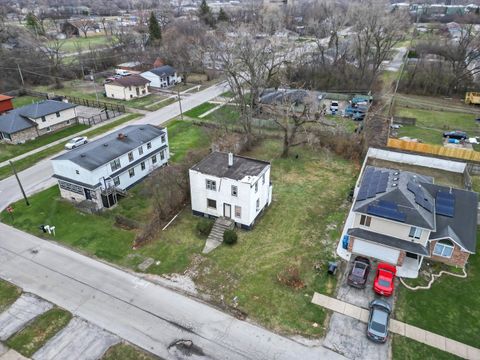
{"x":110,"y":147}
{"x":18,"y":119}
{"x":462,"y":227}
{"x":165,"y":70}
{"x":131,"y":80}
{"x":388,"y":241}
{"x":399,"y":194}
{"x":216,"y":164}
{"x":44,"y":108}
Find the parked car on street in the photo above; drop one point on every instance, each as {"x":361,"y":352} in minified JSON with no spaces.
{"x":359,"y":273}
{"x":76,"y":142}
{"x":456,"y":134}
{"x":377,"y":327}
{"x":383,"y":283}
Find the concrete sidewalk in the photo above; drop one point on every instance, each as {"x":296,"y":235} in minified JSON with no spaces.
{"x":56,"y":142}
{"x":398,"y":327}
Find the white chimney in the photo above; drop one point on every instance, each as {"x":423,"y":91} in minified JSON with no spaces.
{"x":230,"y":159}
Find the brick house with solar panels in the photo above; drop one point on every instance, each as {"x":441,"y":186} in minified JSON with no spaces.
{"x":400,"y":215}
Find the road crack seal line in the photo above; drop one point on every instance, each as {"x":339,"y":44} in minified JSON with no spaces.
{"x":179,"y":326}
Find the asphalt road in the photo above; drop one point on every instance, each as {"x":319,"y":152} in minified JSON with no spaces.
{"x":39,"y":176}
{"x":150,"y":316}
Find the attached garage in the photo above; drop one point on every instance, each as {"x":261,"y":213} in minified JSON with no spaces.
{"x":383,"y":253}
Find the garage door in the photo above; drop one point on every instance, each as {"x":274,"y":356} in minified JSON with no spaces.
{"x":376,"y":251}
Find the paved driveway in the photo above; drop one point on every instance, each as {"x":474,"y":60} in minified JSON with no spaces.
{"x":347,"y":335}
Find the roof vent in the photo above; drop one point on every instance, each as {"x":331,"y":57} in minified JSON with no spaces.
{"x":82,"y":155}
{"x":121,"y":136}
{"x":230,"y":159}
{"x":105,"y":144}
{"x":395,"y":179}
{"x":396,"y":173}
{"x":394,"y":184}
{"x":142,"y":128}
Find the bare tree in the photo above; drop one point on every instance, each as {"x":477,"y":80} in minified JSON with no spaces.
{"x":84,"y":25}
{"x":250,"y":66}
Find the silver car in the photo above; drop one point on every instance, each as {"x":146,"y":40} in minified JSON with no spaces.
{"x":377,"y":327}
{"x":76,"y":142}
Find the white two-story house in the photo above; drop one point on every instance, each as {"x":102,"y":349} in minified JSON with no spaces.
{"x":127,"y":87}
{"x":231,"y":186}
{"x":400,"y":216}
{"x":162,"y":77}
{"x":30,"y":121}
{"x":99,"y":170}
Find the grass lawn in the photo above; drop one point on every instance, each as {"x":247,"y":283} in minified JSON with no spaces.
{"x":25,"y":100}
{"x":94,"y":41}
{"x":199,"y":110}
{"x":160,"y":105}
{"x":8,"y":151}
{"x":126,"y":352}
{"x":404,"y":348}
{"x":226,"y":114}
{"x":39,"y":331}
{"x":8,"y":294}
{"x":300,"y":229}
{"x":451,"y":307}
{"x":431,"y":124}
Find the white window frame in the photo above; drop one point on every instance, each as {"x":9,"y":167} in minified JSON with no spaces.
{"x":256,"y":186}
{"x":441,"y":248}
{"x":130,"y":156}
{"x":149,"y":145}
{"x":365,"y":220}
{"x":115,"y":164}
{"x":131,"y":172}
{"x":211,"y":207}
{"x":162,"y":155}
{"x":142,"y":165}
{"x":238,"y":211}
{"x":140,"y":151}
{"x":415,"y":233}
{"x":162,"y":138}
{"x":154,"y":159}
{"x":258,"y":204}
{"x":116,"y":181}
{"x":211,"y":184}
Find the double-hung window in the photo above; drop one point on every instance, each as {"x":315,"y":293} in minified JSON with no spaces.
{"x":365,"y":220}
{"x":238,"y":211}
{"x":140,"y":151}
{"x":234,"y":190}
{"x":443,"y":248}
{"x":415,"y":232}
{"x":142,"y":165}
{"x":211,"y":185}
{"x":115,"y":164}
{"x":149,"y":145}
{"x":130,"y":156}
{"x":256,"y":186}
{"x":211,"y":203}
{"x":162,"y":138}
{"x":131,"y":172}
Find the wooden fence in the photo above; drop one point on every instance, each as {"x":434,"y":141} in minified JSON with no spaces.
{"x":404,"y":120}
{"x":450,"y":152}
{"x":96,"y":119}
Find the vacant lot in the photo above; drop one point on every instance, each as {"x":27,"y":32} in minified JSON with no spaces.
{"x":75,"y":44}
{"x":451,"y":307}
{"x":199,"y":110}
{"x":36,"y":334}
{"x":20,"y":101}
{"x":431,"y":124}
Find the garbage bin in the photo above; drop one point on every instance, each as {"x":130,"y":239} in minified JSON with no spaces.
{"x":332,"y":268}
{"x":345,"y":241}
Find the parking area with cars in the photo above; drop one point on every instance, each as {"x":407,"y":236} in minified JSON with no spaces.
{"x":348,"y":335}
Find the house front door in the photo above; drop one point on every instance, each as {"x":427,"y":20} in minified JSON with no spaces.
{"x":227,"y":210}
{"x":88,"y":194}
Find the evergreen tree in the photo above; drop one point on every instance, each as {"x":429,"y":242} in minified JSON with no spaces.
{"x":33,"y":24}
{"x":222,"y":16}
{"x":205,"y":14}
{"x":154,"y":28}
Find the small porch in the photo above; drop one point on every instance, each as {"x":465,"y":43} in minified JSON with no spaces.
{"x":410,"y":267}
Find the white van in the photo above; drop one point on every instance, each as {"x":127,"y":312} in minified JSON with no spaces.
{"x":122,"y":72}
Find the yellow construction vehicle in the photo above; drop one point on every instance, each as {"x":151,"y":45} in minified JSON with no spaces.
{"x":472,"y":98}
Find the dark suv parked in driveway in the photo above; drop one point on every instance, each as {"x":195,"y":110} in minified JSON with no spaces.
{"x":459,"y":135}
{"x":358,"y":274}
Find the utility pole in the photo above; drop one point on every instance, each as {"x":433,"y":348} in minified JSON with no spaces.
{"x":180,"y":104}
{"x":92,"y":76}
{"x":21,"y":75}
{"x":19,"y":183}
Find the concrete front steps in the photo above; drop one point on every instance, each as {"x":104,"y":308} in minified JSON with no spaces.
{"x":215,"y":238}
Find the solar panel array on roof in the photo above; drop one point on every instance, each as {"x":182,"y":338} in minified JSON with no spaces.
{"x":373,"y":183}
{"x":387,"y":210}
{"x":445,"y":203}
{"x":420,"y":197}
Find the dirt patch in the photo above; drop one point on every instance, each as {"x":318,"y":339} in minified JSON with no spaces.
{"x":185,"y":348}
